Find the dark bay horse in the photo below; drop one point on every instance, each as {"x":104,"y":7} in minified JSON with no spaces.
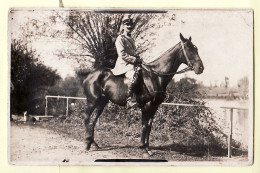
{"x":101,"y":85}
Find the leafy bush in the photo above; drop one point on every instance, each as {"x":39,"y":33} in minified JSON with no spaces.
{"x":30,"y":79}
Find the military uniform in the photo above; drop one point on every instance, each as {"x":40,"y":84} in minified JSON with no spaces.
{"x":126,"y":55}
{"x":127,"y":59}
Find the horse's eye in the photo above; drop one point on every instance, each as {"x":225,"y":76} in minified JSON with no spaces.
{"x":194,"y":47}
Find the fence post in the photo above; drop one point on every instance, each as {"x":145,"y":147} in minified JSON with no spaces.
{"x":67,"y":108}
{"x":46,"y":105}
{"x":230,"y":134}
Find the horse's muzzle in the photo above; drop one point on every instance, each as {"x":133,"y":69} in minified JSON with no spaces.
{"x":198,"y":68}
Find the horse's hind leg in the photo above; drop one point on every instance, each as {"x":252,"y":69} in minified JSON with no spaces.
{"x":91,"y":120}
{"x":89,"y":111}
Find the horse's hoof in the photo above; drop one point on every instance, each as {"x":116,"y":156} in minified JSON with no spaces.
{"x":150,"y":152}
{"x":142,"y":147}
{"x":88,"y":147}
{"x":146,"y":155}
{"x":96,"y":147}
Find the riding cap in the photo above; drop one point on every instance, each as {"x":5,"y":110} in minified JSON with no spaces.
{"x":127,"y":20}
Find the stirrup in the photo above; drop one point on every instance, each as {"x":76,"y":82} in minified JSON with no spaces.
{"x":130,"y":103}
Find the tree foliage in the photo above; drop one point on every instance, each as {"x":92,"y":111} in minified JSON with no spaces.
{"x":243,"y":87}
{"x":95,"y":34}
{"x":29,"y":78}
{"x":70,"y":86}
{"x":88,"y":37}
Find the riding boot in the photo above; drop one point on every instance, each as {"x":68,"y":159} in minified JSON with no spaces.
{"x":131,"y":101}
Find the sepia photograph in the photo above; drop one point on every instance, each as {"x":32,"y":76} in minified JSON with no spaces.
{"x":131,"y":87}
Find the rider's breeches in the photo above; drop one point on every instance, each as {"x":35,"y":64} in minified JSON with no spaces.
{"x":130,"y":74}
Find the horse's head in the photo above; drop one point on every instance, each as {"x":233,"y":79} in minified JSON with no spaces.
{"x":190,"y":55}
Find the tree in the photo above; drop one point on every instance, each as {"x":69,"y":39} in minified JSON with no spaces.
{"x":92,"y":34}
{"x":243,"y":85}
{"x":29,"y":77}
{"x":95,"y":34}
{"x":88,"y":37}
{"x":184,"y":91}
{"x":70,"y":86}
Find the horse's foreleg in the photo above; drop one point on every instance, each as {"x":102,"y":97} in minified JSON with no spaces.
{"x":148,"y":131}
{"x":147,"y":126}
{"x":147,"y":119}
{"x":144,"y":131}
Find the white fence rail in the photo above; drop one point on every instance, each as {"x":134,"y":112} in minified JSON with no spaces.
{"x":58,"y":97}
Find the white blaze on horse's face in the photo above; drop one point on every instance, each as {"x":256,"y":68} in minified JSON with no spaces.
{"x":192,"y":55}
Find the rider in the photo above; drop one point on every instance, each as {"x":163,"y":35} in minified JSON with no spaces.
{"x":128,"y":60}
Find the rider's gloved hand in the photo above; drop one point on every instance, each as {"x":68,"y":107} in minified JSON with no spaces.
{"x":138,"y":61}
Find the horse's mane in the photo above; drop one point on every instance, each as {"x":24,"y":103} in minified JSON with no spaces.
{"x":155,"y":61}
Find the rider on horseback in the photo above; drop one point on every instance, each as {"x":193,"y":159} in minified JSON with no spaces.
{"x":128,"y":61}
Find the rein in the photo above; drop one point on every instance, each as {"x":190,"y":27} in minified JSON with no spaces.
{"x":167,"y":74}
{"x":189,"y":68}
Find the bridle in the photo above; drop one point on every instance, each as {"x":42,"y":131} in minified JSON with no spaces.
{"x":185,"y":55}
{"x":189,"y":68}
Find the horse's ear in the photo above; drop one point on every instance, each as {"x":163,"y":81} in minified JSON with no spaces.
{"x":182,"y":38}
{"x":190,"y":38}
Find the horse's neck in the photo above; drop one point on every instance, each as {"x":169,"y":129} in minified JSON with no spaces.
{"x":167,"y":64}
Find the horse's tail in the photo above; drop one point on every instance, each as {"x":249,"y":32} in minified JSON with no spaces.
{"x":82,"y":74}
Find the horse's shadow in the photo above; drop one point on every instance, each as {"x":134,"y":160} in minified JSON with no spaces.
{"x":108,"y":147}
{"x":200,"y":150}
{"x":194,"y":151}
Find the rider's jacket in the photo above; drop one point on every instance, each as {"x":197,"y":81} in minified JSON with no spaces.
{"x":126,"y":51}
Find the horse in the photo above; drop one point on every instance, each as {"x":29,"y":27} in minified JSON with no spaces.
{"x":101,"y":85}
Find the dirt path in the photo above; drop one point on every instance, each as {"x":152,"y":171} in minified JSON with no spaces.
{"x":32,"y":145}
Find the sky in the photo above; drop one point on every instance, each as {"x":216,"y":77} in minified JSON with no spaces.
{"x":224,"y":40}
